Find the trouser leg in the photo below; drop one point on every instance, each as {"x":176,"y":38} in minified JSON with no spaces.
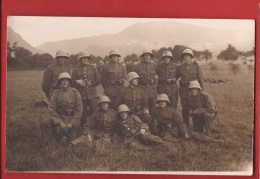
{"x":138,"y":145}
{"x":209,"y":125}
{"x":167,"y":136}
{"x":152,"y":102}
{"x":198,"y":124}
{"x":93,"y":105}
{"x":83,"y":118}
{"x":185,"y":111}
{"x":47,"y":131}
{"x":174,"y":101}
{"x":148,"y":138}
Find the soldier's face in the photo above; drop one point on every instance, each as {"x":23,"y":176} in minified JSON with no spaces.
{"x":61,"y":60}
{"x":167,"y":59}
{"x":194,"y":91}
{"x":134,"y":82}
{"x":65,"y":83}
{"x":123,"y":115}
{"x":85,"y":60}
{"x":162,"y":104}
{"x":147,"y":57}
{"x":104,"y":106}
{"x":187,"y":58}
{"x":114,"y":58}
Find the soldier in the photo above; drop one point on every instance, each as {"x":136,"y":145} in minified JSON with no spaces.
{"x":51,"y":74}
{"x":133,"y":131}
{"x":113,"y":76}
{"x":188,"y":71}
{"x":166,"y":72}
{"x":130,"y":66}
{"x":168,"y":122}
{"x":101,"y":125}
{"x":65,"y":110}
{"x":201,"y":109}
{"x":100,"y":66}
{"x":85,"y":78}
{"x":135,"y":98}
{"x":148,"y":78}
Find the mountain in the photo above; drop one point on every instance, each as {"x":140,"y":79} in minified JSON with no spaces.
{"x":12,"y":37}
{"x":154,"y":35}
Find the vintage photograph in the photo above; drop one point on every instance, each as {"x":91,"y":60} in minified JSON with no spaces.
{"x":130,"y":95}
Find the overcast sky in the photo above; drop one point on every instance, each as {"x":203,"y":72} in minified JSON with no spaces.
{"x":37,"y":30}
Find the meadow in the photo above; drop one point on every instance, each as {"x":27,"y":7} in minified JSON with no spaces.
{"x":235,"y":101}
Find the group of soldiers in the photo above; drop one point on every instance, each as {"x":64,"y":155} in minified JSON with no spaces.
{"x":139,"y":106}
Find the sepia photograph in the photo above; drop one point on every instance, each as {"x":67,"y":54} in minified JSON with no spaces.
{"x":130,"y":95}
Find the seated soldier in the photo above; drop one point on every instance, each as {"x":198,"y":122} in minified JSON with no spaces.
{"x":167,"y":122}
{"x":65,"y":110}
{"x":202,"y":109}
{"x":133,"y":131}
{"x":101,"y":125}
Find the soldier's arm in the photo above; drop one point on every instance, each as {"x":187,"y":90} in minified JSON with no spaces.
{"x":97,"y":77}
{"x":104,"y":76}
{"x":210,"y":104}
{"x":89,"y":125}
{"x":52,"y":108}
{"x":144,"y":99}
{"x":177,"y":72}
{"x":119,"y":98}
{"x":139,"y":123}
{"x":74,"y":77}
{"x":200,"y":77}
{"x":78,"y":109}
{"x":46,"y":81}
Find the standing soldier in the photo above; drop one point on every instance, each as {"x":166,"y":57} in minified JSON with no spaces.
{"x":51,"y":74}
{"x":133,"y":131}
{"x":101,"y":125}
{"x":85,"y":78}
{"x":65,"y":110}
{"x":201,"y":109}
{"x":113,"y":76}
{"x":166,"y":72}
{"x":188,"y":71}
{"x":100,"y":66}
{"x":148,"y":78}
{"x":135,"y":98}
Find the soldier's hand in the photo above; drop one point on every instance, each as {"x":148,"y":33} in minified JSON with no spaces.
{"x":200,"y":111}
{"x":190,"y":112}
{"x":81,"y":82}
{"x":89,"y":138}
{"x":142,"y":131}
{"x":69,"y":125}
{"x":186,"y":136}
{"x":63,"y":126}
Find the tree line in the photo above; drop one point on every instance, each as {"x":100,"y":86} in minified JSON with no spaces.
{"x":23,"y":59}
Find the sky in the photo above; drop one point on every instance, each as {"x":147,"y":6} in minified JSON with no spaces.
{"x":37,"y":30}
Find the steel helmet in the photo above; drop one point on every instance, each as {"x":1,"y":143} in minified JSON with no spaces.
{"x":132,"y":75}
{"x":104,"y":99}
{"x":147,"y":51}
{"x":83,"y":54}
{"x":167,"y":54}
{"x":187,"y":51}
{"x":163,"y":97}
{"x":64,"y":75}
{"x":114,"y":52}
{"x":194,"y":84}
{"x":123,"y":108}
{"x":61,"y":53}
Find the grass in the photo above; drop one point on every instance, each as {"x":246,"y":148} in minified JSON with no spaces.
{"x":234,"y":101}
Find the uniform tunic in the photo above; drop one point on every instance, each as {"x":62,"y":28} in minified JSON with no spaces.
{"x":204,"y":118}
{"x":65,"y":106}
{"x":129,"y":130}
{"x":168,"y":123}
{"x":51,"y":76}
{"x":167,"y":82}
{"x":112,"y":79}
{"x":187,"y":72}
{"x":147,"y":80}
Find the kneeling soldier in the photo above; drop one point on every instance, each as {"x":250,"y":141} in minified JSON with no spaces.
{"x":133,"y":131}
{"x":168,"y":122}
{"x":202,"y":109}
{"x":101,"y":125}
{"x":65,"y":110}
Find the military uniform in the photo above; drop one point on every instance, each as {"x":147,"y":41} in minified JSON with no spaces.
{"x":88,"y":93}
{"x":50,"y":78}
{"x":205,"y":115}
{"x":112,"y":79}
{"x":101,"y":125}
{"x":129,"y":132}
{"x":168,"y":123}
{"x":167,"y":82}
{"x":65,"y":106}
{"x":148,"y":81}
{"x":187,"y":72}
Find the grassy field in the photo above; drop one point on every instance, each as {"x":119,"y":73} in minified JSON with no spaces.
{"x":235,"y":104}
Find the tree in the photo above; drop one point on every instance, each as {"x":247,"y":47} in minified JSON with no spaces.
{"x":177,"y":51}
{"x":132,"y":57}
{"x":230,"y":54}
